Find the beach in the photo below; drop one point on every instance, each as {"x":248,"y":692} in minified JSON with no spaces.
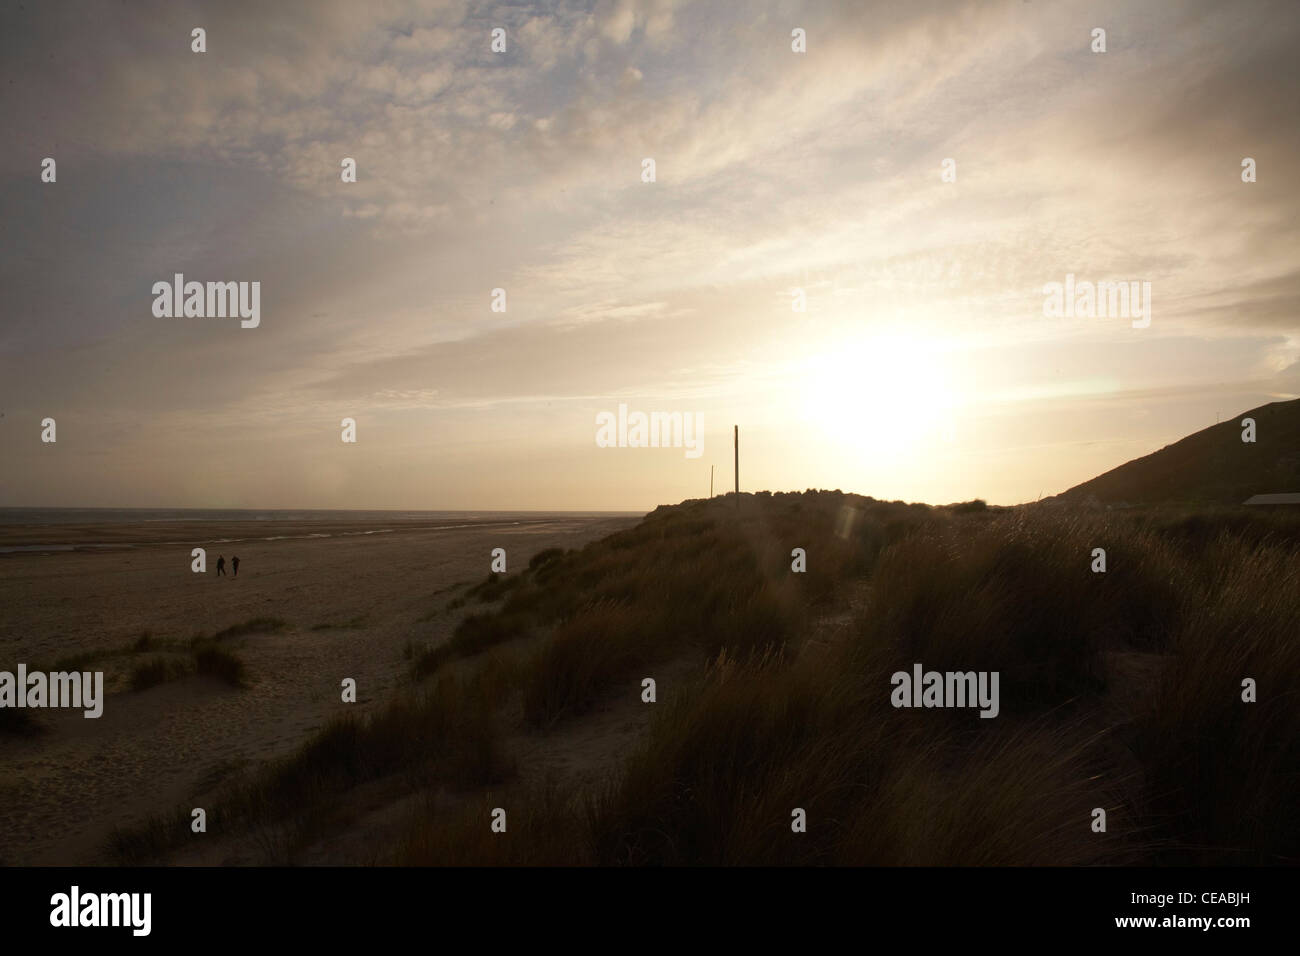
{"x":351,"y":598}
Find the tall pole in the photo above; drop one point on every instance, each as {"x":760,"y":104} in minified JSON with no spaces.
{"x":710,"y":481}
{"x":736,"y":440}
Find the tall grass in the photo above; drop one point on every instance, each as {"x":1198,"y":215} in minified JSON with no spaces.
{"x":1186,"y":771}
{"x":446,"y":737}
{"x":1225,"y":775}
{"x":154,"y":671}
{"x":725,"y":771}
{"x":793,"y":711}
{"x":220,"y":663}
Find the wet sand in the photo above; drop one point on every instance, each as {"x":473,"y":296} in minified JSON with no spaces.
{"x":351,"y":604}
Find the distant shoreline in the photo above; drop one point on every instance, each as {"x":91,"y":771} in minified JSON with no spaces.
{"x":87,"y":529}
{"x":15,"y":514}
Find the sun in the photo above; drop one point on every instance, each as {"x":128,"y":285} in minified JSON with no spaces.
{"x":880,"y":397}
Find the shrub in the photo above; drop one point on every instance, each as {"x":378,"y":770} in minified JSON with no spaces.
{"x":220,"y":663}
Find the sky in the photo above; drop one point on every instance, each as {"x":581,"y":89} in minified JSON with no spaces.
{"x":923,"y":366}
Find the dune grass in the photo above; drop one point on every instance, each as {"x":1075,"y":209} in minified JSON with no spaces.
{"x":154,"y":671}
{"x":792,"y":710}
{"x":446,"y":735}
{"x":255,"y":625}
{"x":206,"y":657}
{"x":222,"y":664}
{"x":1187,"y":772}
{"x":143,"y":642}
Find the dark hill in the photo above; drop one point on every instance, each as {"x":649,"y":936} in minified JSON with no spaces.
{"x":1212,"y":466}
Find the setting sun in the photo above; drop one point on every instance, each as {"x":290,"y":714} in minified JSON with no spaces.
{"x":884,"y":396}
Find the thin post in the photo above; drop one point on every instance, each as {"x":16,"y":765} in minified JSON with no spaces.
{"x":710,"y":481}
{"x":736,"y":440}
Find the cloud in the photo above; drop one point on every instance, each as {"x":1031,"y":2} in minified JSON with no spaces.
{"x":522,"y":170}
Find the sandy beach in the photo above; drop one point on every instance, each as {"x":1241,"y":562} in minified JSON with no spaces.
{"x":352,"y":601}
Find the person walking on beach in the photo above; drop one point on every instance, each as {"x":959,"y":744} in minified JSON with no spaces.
{"x":234,"y":565}
{"x":221,"y":565}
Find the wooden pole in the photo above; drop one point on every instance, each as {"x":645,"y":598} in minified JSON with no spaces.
{"x":736,"y":440}
{"x":710,"y":481}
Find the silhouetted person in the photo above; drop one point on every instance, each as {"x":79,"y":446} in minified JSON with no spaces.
{"x":221,"y":565}
{"x":234,"y":565}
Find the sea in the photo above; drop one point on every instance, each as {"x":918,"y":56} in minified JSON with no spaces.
{"x":10,"y":516}
{"x":387,"y":521}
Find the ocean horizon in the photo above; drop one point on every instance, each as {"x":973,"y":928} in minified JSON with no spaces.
{"x":332,"y":523}
{"x":44,"y":515}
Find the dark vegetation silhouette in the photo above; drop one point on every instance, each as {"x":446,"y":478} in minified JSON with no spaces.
{"x":1210,"y":467}
{"x":1119,"y":690}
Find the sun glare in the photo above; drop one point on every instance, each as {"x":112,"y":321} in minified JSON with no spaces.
{"x":882,"y":397}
